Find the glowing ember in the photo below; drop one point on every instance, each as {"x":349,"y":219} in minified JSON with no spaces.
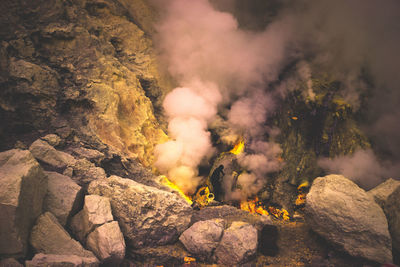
{"x":238,"y":148}
{"x":279,"y":213}
{"x":253,"y":206}
{"x":301,"y":198}
{"x":165,"y":181}
{"x":303,"y":185}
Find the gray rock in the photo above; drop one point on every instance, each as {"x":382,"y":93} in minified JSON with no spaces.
{"x":89,"y":154}
{"x":345,"y":215}
{"x":49,"y":237}
{"x":52,"y":260}
{"x":44,"y":152}
{"x":383,"y":191}
{"x":52,"y":139}
{"x":147,"y":216}
{"x":10,"y":262}
{"x":392,"y":210}
{"x":168,"y":255}
{"x":203,"y":237}
{"x":23,"y":186}
{"x":96,"y":211}
{"x":63,"y":198}
{"x":85,"y":172}
{"x":107,"y":242}
{"x":238,"y":244}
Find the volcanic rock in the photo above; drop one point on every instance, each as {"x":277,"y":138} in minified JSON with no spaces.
{"x":239,"y":243}
{"x":383,"y":191}
{"x":10,"y":262}
{"x":49,"y":237}
{"x":85,"y":172}
{"x":168,"y":255}
{"x":63,"y":197}
{"x":41,"y":260}
{"x":89,"y":154}
{"x":392,"y":210}
{"x":23,"y":186}
{"x":44,"y":152}
{"x":107,"y":242}
{"x":344,"y":214}
{"x":203,"y":237}
{"x":52,"y":139}
{"x":96,"y":211}
{"x":148,"y":216}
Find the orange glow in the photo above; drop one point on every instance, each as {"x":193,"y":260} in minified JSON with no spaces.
{"x":165,"y":181}
{"x":300,"y":200}
{"x":279,"y":213}
{"x":253,"y":207}
{"x":238,"y":148}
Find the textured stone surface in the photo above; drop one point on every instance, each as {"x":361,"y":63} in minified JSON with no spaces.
{"x":63,"y":197}
{"x":44,"y":152}
{"x":168,"y":255}
{"x":52,"y":260}
{"x":238,"y":244}
{"x":52,"y":139}
{"x":49,"y":237}
{"x":345,"y":215}
{"x":96,"y":211}
{"x":392,"y":210}
{"x":85,"y":172}
{"x":23,"y":186}
{"x":203,"y":237}
{"x":147,"y":216}
{"x":107,"y":243}
{"x":383,"y":191}
{"x":10,"y":262}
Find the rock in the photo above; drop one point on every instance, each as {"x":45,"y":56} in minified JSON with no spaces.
{"x":23,"y":187}
{"x":89,"y":154}
{"x":392,"y":210}
{"x":44,"y":152}
{"x":52,"y":139}
{"x":203,"y":237}
{"x":85,"y":172}
{"x":10,"y":262}
{"x":147,"y":216}
{"x":64,"y":196}
{"x":49,"y":237}
{"x":96,"y":211}
{"x":41,"y":260}
{"x":168,"y":255}
{"x":239,"y":243}
{"x":107,"y":243}
{"x":345,"y":215}
{"x":383,"y":191}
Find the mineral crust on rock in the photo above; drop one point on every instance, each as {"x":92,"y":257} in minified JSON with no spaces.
{"x":147,"y":216}
{"x":345,"y":215}
{"x":23,"y":186}
{"x":392,"y":210}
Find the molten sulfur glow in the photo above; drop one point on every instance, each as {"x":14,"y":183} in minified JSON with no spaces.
{"x":253,"y":207}
{"x":165,"y":181}
{"x":238,"y":148}
{"x":279,"y":213}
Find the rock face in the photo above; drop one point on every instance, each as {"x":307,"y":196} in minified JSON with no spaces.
{"x":49,"y":237}
{"x":85,"y":171}
{"x":342,"y":213}
{"x":392,"y":210}
{"x":23,"y":186}
{"x":10,"y":262}
{"x":63,"y":197}
{"x":383,"y":191}
{"x":237,"y":245}
{"x":107,"y":242}
{"x":203,"y":237}
{"x":41,"y":260}
{"x":147,"y":216}
{"x":44,"y":152}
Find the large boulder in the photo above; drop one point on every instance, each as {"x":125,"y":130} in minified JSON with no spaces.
{"x":85,"y":171}
{"x":239,"y":243}
{"x":107,"y":242}
{"x":41,"y":260}
{"x":49,"y":237}
{"x":392,"y":210}
{"x":47,"y":154}
{"x":96,"y":211}
{"x":23,"y":186}
{"x":63,"y":197}
{"x":383,"y":191}
{"x":148,"y":216}
{"x":345,"y":215}
{"x":203,"y":237}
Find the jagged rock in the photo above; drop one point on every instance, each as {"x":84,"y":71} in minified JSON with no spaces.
{"x":383,"y":191}
{"x":89,"y":154}
{"x":96,"y":211}
{"x":392,"y":211}
{"x":52,"y":139}
{"x":85,"y":172}
{"x":344,"y":214}
{"x":23,"y":186}
{"x":10,"y":262}
{"x":239,"y":243}
{"x":147,"y":216}
{"x":107,"y":243}
{"x":203,"y":237}
{"x":63,"y":197}
{"x":49,"y":237}
{"x":168,"y":255}
{"x":44,"y":152}
{"x":52,"y":260}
